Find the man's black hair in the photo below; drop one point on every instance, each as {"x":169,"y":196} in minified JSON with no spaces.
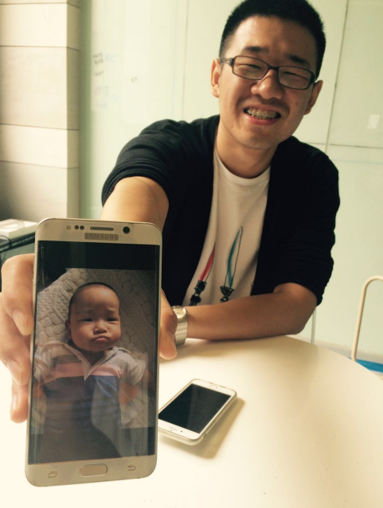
{"x":299,"y":11}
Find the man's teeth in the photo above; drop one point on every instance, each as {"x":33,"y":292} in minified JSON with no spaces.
{"x":261,"y":114}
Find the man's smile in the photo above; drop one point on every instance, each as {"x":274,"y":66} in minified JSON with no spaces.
{"x":262,"y":114}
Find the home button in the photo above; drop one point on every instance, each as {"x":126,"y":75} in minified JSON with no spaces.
{"x":94,"y":470}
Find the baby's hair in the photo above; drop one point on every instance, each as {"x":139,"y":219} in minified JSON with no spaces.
{"x":71,"y":301}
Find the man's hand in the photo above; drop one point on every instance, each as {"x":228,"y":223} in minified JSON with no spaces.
{"x":168,"y":327}
{"x":16,"y":325}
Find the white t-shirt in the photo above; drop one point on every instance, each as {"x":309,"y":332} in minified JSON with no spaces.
{"x":234,"y":232}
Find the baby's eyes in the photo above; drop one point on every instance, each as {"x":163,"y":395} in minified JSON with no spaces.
{"x":89,"y":320}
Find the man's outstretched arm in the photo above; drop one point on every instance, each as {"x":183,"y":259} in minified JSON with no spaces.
{"x":283,"y":312}
{"x":134,"y":199}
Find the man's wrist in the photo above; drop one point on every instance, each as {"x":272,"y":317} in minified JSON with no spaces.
{"x":182,"y":326}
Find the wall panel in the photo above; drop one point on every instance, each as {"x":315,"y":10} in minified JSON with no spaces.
{"x":37,"y":191}
{"x":46,"y":30}
{"x":39,"y":109}
{"x":33,"y":86}
{"x":358,"y":252}
{"x":132,"y":75}
{"x":39,"y":146}
{"x":358,"y":108}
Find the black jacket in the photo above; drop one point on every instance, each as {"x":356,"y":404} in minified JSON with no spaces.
{"x":303,"y":199}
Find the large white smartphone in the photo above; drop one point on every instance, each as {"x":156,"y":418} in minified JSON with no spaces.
{"x":94,"y":352}
{"x":193,"y":411}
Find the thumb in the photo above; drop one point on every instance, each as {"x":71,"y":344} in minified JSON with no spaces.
{"x":168,"y":327}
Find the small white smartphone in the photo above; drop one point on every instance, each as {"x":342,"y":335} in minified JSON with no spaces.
{"x":192,"y":412}
{"x":94,"y":352}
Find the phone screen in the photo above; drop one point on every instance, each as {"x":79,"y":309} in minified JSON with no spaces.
{"x":94,"y":362}
{"x":193,"y":408}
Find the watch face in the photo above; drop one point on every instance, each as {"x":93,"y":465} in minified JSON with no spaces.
{"x":181,"y":312}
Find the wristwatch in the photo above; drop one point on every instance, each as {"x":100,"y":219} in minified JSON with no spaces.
{"x":182,"y":327}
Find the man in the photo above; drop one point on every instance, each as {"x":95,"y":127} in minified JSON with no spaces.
{"x":247,"y":211}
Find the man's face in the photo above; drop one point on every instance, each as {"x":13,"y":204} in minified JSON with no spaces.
{"x":94,"y":321}
{"x":258,"y":115}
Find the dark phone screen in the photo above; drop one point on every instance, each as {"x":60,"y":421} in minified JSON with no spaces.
{"x":94,"y":402}
{"x":194,"y":408}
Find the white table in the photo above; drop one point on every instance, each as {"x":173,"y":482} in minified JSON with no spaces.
{"x":305,"y":432}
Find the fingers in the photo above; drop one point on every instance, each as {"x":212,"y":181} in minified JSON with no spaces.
{"x":14,"y":353}
{"x":14,"y":348}
{"x":17,"y":287}
{"x":19,"y":404}
{"x":167,"y":330}
{"x":16,"y":324}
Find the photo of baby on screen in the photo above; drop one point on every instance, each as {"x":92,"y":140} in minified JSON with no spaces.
{"x":91,"y":395}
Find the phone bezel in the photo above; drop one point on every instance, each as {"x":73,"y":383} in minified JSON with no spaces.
{"x":187,"y":436}
{"x":73,"y":230}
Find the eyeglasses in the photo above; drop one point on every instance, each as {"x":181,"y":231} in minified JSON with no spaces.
{"x":287,"y":75}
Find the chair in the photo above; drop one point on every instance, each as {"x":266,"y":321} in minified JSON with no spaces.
{"x":376,"y":367}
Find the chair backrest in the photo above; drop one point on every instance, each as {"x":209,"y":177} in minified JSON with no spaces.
{"x":360,"y":314}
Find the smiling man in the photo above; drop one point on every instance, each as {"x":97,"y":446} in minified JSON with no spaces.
{"x":247,"y":211}
{"x":265,"y":107}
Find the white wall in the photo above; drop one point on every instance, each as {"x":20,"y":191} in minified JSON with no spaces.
{"x":356,"y":146}
{"x":132,"y":61}
{"x":39,"y":109}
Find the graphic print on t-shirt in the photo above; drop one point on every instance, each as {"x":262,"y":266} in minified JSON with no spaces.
{"x":229,"y":257}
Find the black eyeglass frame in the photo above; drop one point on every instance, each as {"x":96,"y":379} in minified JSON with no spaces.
{"x":231,"y":62}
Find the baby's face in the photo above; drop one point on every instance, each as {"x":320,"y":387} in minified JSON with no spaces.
{"x":94,"y":323}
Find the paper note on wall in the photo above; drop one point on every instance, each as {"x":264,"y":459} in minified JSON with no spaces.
{"x":105,"y":81}
{"x":133,"y":63}
{"x":105,"y":56}
{"x":373,"y":121}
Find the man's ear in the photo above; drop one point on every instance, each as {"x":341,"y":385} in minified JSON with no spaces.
{"x":314,"y":96}
{"x":215,"y":75}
